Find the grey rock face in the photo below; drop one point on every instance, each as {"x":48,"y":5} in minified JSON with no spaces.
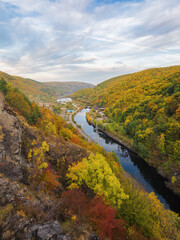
{"x":2,"y":150}
{"x":47,"y":231}
{"x":1,"y":102}
{"x":2,"y":146}
{"x":12,"y":134}
{"x":7,"y":191}
{"x":93,"y":236}
{"x":61,"y":237}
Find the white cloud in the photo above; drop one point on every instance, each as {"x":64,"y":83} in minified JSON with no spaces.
{"x":82,"y":40}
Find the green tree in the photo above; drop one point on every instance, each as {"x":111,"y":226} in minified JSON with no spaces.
{"x":3,"y":86}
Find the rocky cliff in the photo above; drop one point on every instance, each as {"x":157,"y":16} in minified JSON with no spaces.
{"x":25,"y":212}
{"x":10,"y":142}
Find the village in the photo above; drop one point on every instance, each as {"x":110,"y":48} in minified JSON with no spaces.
{"x":64,"y":107}
{"x":98,"y":117}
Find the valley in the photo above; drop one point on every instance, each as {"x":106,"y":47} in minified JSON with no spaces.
{"x":64,"y":169}
{"x":142,"y":110}
{"x":139,"y":170}
{"x":43,"y":92}
{"x":89,"y":120}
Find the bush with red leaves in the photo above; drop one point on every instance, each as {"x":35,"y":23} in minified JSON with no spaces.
{"x":73,"y":202}
{"x":104,"y":220}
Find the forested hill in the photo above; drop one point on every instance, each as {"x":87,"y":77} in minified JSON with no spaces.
{"x":143,"y":109}
{"x":111,"y":88}
{"x":43,"y":91}
{"x":66,"y":88}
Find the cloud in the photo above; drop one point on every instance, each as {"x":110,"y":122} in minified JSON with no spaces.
{"x":87,"y":40}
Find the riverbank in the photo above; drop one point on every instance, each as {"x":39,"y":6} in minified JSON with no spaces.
{"x":72,"y":121}
{"x":145,"y":175}
{"x":118,"y":140}
{"x":172,"y":185}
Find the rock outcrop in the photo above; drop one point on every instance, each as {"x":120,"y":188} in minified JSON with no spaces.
{"x":93,"y":236}
{"x":22,"y":216}
{"x":2,"y":146}
{"x":12,"y":134}
{"x":16,"y":223}
{"x":47,"y":231}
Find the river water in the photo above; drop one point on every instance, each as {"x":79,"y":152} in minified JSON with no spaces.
{"x":144,"y":174}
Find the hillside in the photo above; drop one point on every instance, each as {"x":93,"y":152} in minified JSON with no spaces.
{"x":143,"y":109}
{"x":66,"y":88}
{"x":56,"y":185}
{"x":43,"y":91}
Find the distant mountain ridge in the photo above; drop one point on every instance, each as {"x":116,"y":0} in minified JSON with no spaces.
{"x":67,"y":88}
{"x":44,"y":91}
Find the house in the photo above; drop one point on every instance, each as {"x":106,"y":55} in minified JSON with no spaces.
{"x":101,"y":114}
{"x":99,"y":108}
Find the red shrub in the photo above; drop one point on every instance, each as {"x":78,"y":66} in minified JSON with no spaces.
{"x":73,"y":202}
{"x":104,"y":219}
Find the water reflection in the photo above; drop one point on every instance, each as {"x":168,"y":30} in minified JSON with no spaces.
{"x":144,"y":174}
{"x":122,"y":152}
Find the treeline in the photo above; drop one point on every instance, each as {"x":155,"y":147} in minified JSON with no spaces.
{"x":144,"y":110}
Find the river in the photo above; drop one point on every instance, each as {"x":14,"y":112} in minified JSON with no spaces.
{"x":144,"y":174}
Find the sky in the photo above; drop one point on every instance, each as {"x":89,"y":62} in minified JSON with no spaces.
{"x":87,"y":40}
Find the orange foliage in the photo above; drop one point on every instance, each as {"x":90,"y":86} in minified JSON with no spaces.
{"x":51,"y":179}
{"x":76,"y":140}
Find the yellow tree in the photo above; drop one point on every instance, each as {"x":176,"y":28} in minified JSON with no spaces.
{"x":37,"y":154}
{"x":98,"y":176}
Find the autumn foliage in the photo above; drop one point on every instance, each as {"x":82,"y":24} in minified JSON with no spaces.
{"x":104,"y":220}
{"x":116,"y":207}
{"x":97,"y":174}
{"x":73,"y":202}
{"x":143,"y":111}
